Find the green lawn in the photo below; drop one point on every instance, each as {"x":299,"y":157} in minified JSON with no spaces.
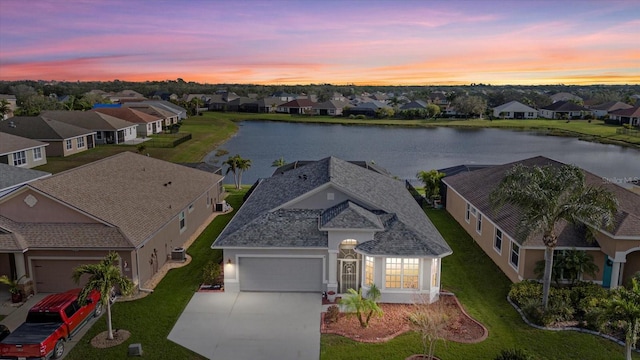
{"x":150,"y":319}
{"x":482,"y":289}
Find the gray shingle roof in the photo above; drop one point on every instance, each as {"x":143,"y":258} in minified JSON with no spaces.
{"x":39,"y":128}
{"x":348,"y":215}
{"x":475,"y":187}
{"x":12,"y":143}
{"x":91,"y":120}
{"x":128,"y":190}
{"x":11,"y":176}
{"x":407,"y":227}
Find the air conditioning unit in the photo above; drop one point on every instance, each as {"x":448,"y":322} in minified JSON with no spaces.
{"x":135,"y":350}
{"x":178,"y":254}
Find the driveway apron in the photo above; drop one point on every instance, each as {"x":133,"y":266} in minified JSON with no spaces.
{"x":251,"y":325}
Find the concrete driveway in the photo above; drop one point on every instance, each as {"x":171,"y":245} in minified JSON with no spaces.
{"x":251,"y":325}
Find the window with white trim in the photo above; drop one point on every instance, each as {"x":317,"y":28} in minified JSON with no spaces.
{"x":69,"y":144}
{"x":401,"y":273}
{"x":514,"y":259}
{"x":497,"y":240}
{"x":369,"y":262}
{"x":80,"y":142}
{"x":37,"y":153}
{"x":19,"y":158}
{"x":467,"y":214}
{"x":183,"y":222}
{"x":479,"y":224}
{"x":473,"y":211}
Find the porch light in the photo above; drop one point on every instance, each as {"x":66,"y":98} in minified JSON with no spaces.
{"x":229,"y":261}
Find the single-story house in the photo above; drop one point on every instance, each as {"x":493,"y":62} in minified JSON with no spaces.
{"x":415,"y":104}
{"x":168,"y":117}
{"x":330,"y":107}
{"x":564,"y":110}
{"x":63,"y":139}
{"x":366,"y":108}
{"x":297,"y":106}
{"x":626,"y":116}
{"x":168,"y":106}
{"x":515,"y":110}
{"x":146,"y":124}
{"x":331,"y":225}
{"x":143,"y":208}
{"x":616,"y":252}
{"x":269,"y":104}
{"x":20,"y":151}
{"x":108,"y":129}
{"x":602,"y":110}
{"x":243,"y":104}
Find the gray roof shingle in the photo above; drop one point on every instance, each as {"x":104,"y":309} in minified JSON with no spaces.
{"x":12,"y":143}
{"x":406,"y":230}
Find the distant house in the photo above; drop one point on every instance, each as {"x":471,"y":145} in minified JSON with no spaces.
{"x":143,"y":208}
{"x":11,"y":99}
{"x":564,"y":96}
{"x":330,"y":107}
{"x":626,"y":116}
{"x":108,"y":129}
{"x":515,"y":110}
{"x":269,"y":104}
{"x":243,"y":104}
{"x":564,"y":110}
{"x":602,"y":110}
{"x":177,"y":112}
{"x":367,"y":108}
{"x":168,"y":117}
{"x":63,"y":139}
{"x":22,"y":152}
{"x":147,"y":124}
{"x":298,"y":106}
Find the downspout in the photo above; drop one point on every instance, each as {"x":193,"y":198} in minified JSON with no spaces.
{"x":140,"y":288}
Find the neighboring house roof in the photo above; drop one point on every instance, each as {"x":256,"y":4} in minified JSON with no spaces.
{"x":611,"y":106}
{"x":204,"y":167}
{"x":415,"y":104}
{"x":270,"y":101}
{"x":37,"y":127}
{"x":331,"y":104}
{"x":467,"y":185}
{"x":298,"y":103}
{"x":514,"y":106}
{"x":371,"y":105}
{"x":130,"y":115}
{"x":12,"y":177}
{"x":299,"y":163}
{"x":265,"y":221}
{"x":12,"y":143}
{"x":564,"y":96}
{"x":136,"y":193}
{"x":630,"y":112}
{"x":91,"y":120}
{"x":151,"y":109}
{"x":564,"y":106}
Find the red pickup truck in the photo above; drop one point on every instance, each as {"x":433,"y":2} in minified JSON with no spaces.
{"x":50,"y":323}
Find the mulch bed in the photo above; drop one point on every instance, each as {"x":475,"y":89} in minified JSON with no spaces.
{"x":461,"y":328}
{"x":100,"y":341}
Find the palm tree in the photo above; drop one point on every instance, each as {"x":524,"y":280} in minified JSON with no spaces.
{"x":547,"y":195}
{"x":623,"y":308}
{"x":103,"y":277}
{"x":237,"y":165}
{"x":355,"y":302}
{"x":431,"y":180}
{"x":279,"y":162}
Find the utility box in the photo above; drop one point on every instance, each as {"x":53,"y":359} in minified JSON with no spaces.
{"x":178,"y":254}
{"x":135,"y":350}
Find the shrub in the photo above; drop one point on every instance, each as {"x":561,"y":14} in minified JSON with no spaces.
{"x":361,"y":117}
{"x":211,"y":273}
{"x":532,"y":309}
{"x":332,"y":314}
{"x":557,"y":311}
{"x":514,"y":354}
{"x":582,"y":295}
{"x":523,"y":291}
{"x":595,"y":318}
{"x":352,"y":116}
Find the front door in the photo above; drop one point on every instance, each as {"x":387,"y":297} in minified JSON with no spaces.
{"x":348,"y":267}
{"x":606,"y":273}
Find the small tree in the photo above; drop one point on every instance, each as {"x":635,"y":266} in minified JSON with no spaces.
{"x":623,"y":309}
{"x":431,"y":180}
{"x":103,"y":277}
{"x":354,"y":302}
{"x":430,"y":322}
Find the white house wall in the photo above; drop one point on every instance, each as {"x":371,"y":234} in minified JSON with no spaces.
{"x":130,"y":133}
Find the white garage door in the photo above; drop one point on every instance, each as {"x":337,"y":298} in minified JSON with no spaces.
{"x":55,"y":275}
{"x":280,"y":274}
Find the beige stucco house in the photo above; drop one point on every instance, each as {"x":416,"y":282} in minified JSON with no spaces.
{"x":616,"y":252}
{"x":138,"y":206}
{"x":22,"y":152}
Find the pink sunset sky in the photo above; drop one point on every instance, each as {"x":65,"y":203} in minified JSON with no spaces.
{"x":408,"y":42}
